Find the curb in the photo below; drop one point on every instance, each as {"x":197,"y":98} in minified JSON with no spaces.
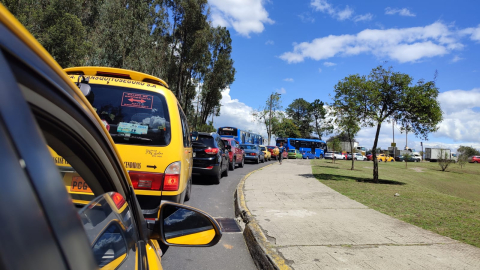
{"x":263,"y":253}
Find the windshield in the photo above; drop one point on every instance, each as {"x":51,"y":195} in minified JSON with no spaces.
{"x":246,"y":146}
{"x":263,"y":149}
{"x":206,"y":140}
{"x":132,"y":116}
{"x":291,"y":151}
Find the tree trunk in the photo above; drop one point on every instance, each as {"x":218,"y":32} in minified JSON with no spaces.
{"x":351,"y":150}
{"x":374,"y":154}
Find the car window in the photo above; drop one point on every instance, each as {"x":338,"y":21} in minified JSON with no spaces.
{"x":132,"y":116}
{"x":220,"y":143}
{"x":185,"y":130}
{"x":206,"y":140}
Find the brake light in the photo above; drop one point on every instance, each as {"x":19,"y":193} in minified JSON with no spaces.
{"x":172,"y":177}
{"x":117,"y":199}
{"x":146,"y":180}
{"x":253,"y":154}
{"x":211,"y":151}
{"x":209,"y":167}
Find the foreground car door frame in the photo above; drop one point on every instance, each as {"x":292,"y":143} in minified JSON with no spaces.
{"x":65,"y":240}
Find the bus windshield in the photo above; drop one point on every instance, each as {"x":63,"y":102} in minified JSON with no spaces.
{"x":227,"y":131}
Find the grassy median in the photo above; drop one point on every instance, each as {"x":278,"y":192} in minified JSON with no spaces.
{"x":447,"y":203}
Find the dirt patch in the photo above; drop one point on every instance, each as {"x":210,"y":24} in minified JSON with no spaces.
{"x":417,"y":169}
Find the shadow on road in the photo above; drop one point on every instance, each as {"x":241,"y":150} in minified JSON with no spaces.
{"x":202,"y":180}
{"x":337,"y":177}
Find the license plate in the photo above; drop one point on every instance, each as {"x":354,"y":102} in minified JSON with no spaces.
{"x":79,"y":185}
{"x":194,"y":154}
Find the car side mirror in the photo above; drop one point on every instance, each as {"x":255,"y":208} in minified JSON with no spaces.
{"x":182,"y":225}
{"x":228,"y":147}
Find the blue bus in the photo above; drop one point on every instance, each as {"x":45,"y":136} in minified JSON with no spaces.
{"x":315,"y":146}
{"x":241,"y":136}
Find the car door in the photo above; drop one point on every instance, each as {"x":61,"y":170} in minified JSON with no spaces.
{"x":74,"y":132}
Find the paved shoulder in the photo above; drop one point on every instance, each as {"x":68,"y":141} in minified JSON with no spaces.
{"x":315,"y":227}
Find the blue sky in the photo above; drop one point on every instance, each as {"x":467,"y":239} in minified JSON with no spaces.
{"x":303,"y":50}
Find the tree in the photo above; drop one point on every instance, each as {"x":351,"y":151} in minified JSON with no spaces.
{"x":443,"y":160}
{"x":464,"y":152}
{"x":334,"y":145}
{"x":285,"y":128}
{"x":299,"y":112}
{"x":220,"y":72}
{"x":345,"y":113}
{"x":318,"y":113}
{"x":206,"y":127}
{"x":386,"y":94}
{"x":57,"y":25}
{"x":269,"y":114}
{"x":406,"y":157}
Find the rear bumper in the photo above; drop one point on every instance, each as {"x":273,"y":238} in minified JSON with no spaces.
{"x":251,"y":157}
{"x":205,"y":171}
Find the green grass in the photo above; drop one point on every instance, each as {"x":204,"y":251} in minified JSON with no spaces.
{"x":447,"y":203}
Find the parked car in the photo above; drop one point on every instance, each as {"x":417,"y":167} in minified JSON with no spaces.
{"x":369,"y":157}
{"x":268,"y":155}
{"x":294,"y":153}
{"x":43,"y":225}
{"x":339,"y":155}
{"x":417,"y":156}
{"x":410,"y":159}
{"x":385,"y":158}
{"x":210,"y":155}
{"x":308,"y":155}
{"x":474,"y":159}
{"x":329,"y":155}
{"x":274,"y":151}
{"x":359,"y":157}
{"x":236,"y":155}
{"x":253,"y":153}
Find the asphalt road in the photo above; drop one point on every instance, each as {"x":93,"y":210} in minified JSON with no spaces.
{"x":217,"y":200}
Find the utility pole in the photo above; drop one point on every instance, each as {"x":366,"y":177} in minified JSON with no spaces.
{"x":270,"y":104}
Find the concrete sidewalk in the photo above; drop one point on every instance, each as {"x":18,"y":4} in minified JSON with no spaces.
{"x":314,"y":227}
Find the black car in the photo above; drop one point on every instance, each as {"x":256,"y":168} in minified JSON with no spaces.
{"x":210,"y":155}
{"x":253,"y":153}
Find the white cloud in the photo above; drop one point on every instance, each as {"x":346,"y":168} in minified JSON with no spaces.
{"x":401,"y":12}
{"x":345,"y":13}
{"x":473,"y":32}
{"x":319,"y":70}
{"x":237,"y":114}
{"x":364,"y":17}
{"x":245,"y":16}
{"x":402,"y":45}
{"x":269,"y":42}
{"x":339,"y":14}
{"x":306,"y":17}
{"x":281,"y":91}
{"x":457,"y":58}
{"x":288,"y":79}
{"x":329,"y":64}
